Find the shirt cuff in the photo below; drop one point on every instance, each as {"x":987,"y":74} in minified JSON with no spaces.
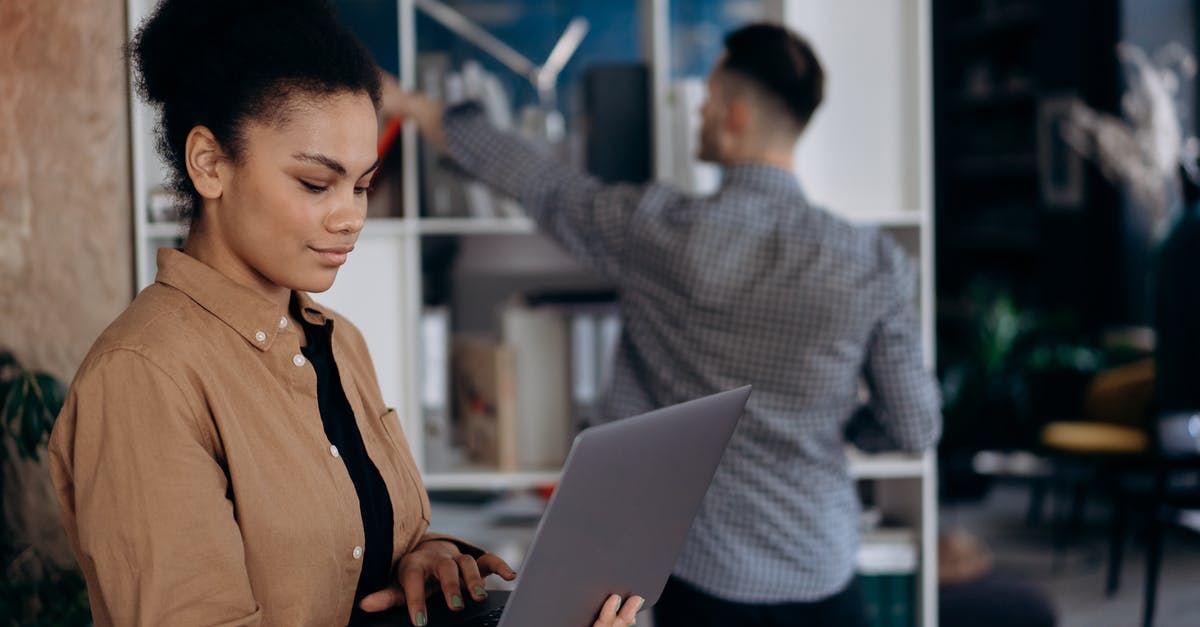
{"x":466,"y":547}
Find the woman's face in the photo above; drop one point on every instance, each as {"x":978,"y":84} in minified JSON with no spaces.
{"x":293,"y":203}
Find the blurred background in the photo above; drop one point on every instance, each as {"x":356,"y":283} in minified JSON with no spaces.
{"x":1032,"y":156}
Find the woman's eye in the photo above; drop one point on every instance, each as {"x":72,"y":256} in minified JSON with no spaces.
{"x":362,"y":190}
{"x":316,"y":189}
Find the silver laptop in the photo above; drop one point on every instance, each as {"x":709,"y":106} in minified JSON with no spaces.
{"x":617,"y":521}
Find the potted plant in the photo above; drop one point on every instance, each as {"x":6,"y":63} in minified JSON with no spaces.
{"x":33,"y":591}
{"x":1005,"y":370}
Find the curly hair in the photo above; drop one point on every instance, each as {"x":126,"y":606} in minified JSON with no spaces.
{"x":781,"y":63}
{"x":222,"y":63}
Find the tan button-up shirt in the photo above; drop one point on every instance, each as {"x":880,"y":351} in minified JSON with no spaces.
{"x":197,"y":483}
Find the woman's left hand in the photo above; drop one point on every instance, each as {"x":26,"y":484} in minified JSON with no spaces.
{"x":441,"y":561}
{"x":616,"y":613}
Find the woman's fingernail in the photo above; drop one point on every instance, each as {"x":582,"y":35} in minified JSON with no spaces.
{"x":421,"y":620}
{"x":480,"y":592}
{"x":641,"y":602}
{"x":456,"y":602}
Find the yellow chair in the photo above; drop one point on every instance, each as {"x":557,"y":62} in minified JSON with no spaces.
{"x":1118,"y":409}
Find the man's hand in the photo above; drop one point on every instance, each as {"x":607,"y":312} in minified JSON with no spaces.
{"x":399,"y":103}
{"x":441,"y":561}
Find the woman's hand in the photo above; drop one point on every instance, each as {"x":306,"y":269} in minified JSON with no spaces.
{"x":616,"y":614}
{"x":441,"y":561}
{"x":400,"y":103}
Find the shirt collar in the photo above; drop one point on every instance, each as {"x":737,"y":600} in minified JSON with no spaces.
{"x":252,"y":315}
{"x":760,"y":176}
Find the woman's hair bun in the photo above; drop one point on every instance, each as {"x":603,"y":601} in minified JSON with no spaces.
{"x":187,"y":45}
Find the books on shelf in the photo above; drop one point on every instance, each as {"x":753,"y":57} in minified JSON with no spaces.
{"x":539,"y":340}
{"x":594,"y":326}
{"x":515,"y":403}
{"x":485,"y":403}
{"x":887,"y":563}
{"x":442,"y":191}
{"x":448,"y":192}
{"x":441,"y":453}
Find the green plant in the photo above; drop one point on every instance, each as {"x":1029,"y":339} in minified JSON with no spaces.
{"x":1005,"y":371}
{"x":31,"y":401}
{"x":55,"y":598}
{"x":33,"y":591}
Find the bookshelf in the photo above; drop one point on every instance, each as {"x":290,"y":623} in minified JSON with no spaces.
{"x":875,"y":126}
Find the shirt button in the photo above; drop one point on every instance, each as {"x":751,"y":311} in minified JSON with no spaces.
{"x":333,"y":451}
{"x":298,"y":360}
{"x":357,"y":552}
{"x":260,"y":336}
{"x":283,"y":322}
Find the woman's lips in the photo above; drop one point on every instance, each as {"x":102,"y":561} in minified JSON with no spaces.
{"x":334,"y":255}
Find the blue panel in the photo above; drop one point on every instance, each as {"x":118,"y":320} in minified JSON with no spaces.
{"x":698,"y":32}
{"x":374,"y":22}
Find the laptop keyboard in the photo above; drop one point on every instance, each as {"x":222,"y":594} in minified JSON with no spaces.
{"x":491,"y":618}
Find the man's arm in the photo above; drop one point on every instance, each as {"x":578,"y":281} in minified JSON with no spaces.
{"x":905,"y":406}
{"x":590,"y":219}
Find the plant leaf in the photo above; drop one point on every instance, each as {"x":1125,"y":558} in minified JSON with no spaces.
{"x":10,"y":412}
{"x":8,"y":362}
{"x":29,"y":437}
{"x":53,"y":394}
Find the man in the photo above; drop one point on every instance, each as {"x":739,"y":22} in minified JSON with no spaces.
{"x":750,"y":285}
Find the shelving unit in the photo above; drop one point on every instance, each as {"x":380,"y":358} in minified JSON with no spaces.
{"x":875,"y":126}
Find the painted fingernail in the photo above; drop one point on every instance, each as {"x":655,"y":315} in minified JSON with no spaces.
{"x":641,"y":602}
{"x":456,"y":602}
{"x":480,"y":592}
{"x":421,"y":620}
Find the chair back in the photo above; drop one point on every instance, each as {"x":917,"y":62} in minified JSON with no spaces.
{"x":1179,"y":435}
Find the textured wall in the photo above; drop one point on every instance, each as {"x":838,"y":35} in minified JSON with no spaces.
{"x":65,"y":229}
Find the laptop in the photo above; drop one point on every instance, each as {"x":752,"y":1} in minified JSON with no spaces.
{"x":616,"y":523}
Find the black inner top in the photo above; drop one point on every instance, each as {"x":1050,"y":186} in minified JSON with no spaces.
{"x":342,"y":430}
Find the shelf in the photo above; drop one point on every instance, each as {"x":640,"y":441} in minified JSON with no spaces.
{"x":165,"y":230}
{"x":883,"y":217}
{"x":1007,"y":98}
{"x":886,"y":465}
{"x":489,"y":480}
{"x":475,"y":226}
{"x":385,"y":227}
{"x":862,"y":466}
{"x":996,"y":22}
{"x":997,"y":166}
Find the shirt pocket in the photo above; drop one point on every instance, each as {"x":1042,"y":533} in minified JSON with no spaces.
{"x":402,"y":454}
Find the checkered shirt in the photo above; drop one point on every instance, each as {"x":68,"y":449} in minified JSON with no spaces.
{"x":749,"y":285}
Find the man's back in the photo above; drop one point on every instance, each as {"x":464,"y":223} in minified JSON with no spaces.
{"x":754,"y":285}
{"x":751,"y":285}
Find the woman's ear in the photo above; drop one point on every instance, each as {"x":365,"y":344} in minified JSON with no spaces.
{"x":202,"y":155}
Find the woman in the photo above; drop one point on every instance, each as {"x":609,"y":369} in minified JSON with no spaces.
{"x":225,"y":456}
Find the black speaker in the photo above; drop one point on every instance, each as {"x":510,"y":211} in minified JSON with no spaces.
{"x":617,"y":133}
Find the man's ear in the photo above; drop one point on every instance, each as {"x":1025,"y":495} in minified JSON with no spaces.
{"x":202,"y":154}
{"x":737,"y":116}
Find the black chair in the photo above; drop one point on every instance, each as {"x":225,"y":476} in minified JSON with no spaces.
{"x":1176,"y":445}
{"x":1179,"y":446}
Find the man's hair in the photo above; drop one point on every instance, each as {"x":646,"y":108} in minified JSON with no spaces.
{"x":780,"y":63}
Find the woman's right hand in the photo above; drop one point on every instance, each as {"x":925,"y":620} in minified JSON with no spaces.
{"x":616,"y":614}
